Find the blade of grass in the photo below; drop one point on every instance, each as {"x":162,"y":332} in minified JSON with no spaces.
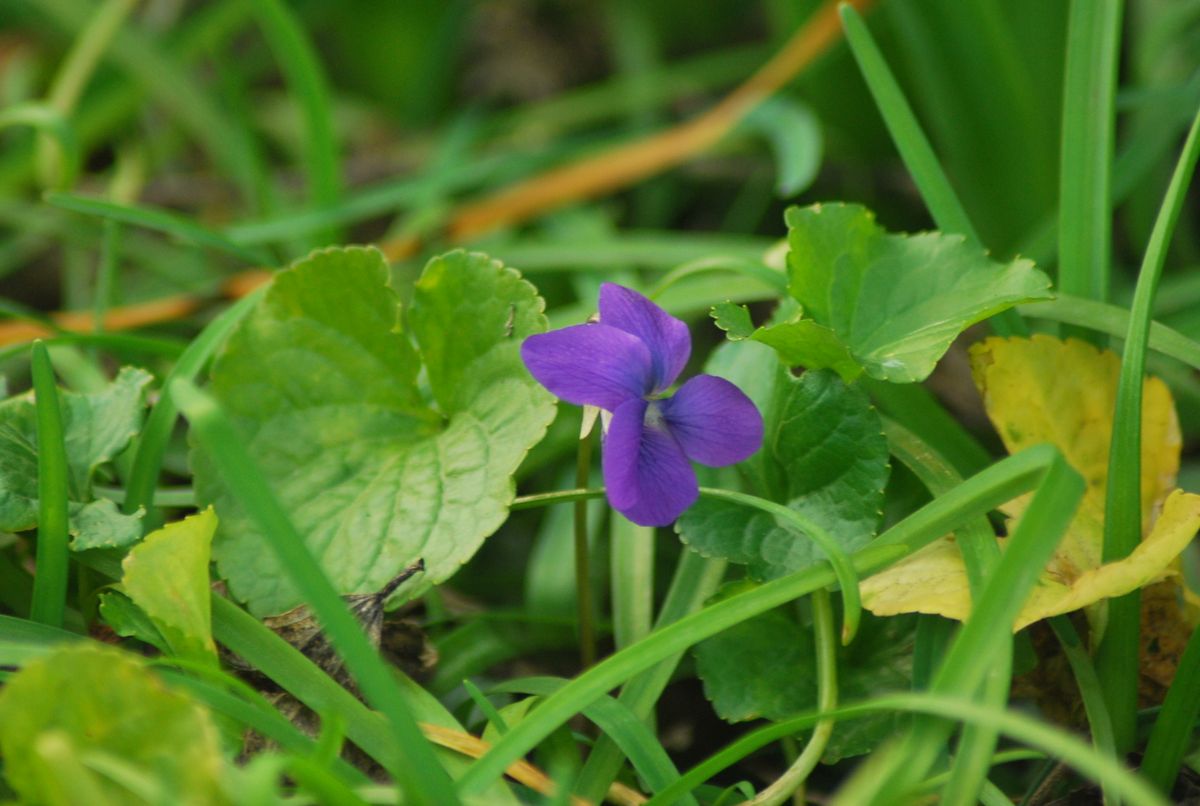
{"x":1115,"y":663}
{"x":1090,"y":690}
{"x":980,"y":551}
{"x":915,"y":150}
{"x":106,"y":273}
{"x":696,"y":578}
{"x":308,"y":85}
{"x":1115,"y":321}
{"x":1085,"y":166}
{"x":899,"y":767}
{"x":152,"y":442}
{"x":50,"y":578}
{"x":267,"y":721}
{"x":172,"y":224}
{"x":415,"y":767}
{"x":1054,"y":742}
{"x":977,"y":495}
{"x":1172,"y":731}
{"x":620,"y":724}
{"x":916,"y":409}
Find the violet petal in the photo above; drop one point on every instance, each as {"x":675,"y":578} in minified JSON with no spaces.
{"x":647,"y":477}
{"x":596,"y":365}
{"x":668,"y":338}
{"x":713,"y":421}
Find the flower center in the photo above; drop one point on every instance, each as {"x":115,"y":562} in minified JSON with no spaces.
{"x":654,"y":417}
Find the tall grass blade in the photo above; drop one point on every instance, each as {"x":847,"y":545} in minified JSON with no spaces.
{"x":1116,"y":665}
{"x":307,"y":83}
{"x":1085,"y":168}
{"x":50,"y":579}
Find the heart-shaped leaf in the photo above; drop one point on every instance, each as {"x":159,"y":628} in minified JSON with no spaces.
{"x":388,"y":435}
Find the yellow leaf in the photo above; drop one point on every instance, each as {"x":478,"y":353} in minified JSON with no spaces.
{"x":1149,"y":562}
{"x":1045,"y":390}
{"x":166,"y":575}
{"x":931,"y":580}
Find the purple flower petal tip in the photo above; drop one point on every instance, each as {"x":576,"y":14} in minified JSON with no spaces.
{"x":667,"y":338}
{"x":595,"y":365}
{"x":714,"y":422}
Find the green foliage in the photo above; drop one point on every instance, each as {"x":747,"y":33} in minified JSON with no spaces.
{"x":166,"y":577}
{"x":892,"y":304}
{"x":322,"y":381}
{"x":96,"y":427}
{"x":764,"y":668}
{"x":72,"y":718}
{"x":824,"y":455}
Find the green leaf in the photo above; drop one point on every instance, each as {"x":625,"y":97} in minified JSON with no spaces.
{"x":895,"y":302}
{"x":98,"y":704}
{"x":322,"y":381}
{"x":764,"y":668}
{"x":96,"y":427}
{"x":799,"y":342}
{"x":129,"y":621}
{"x":824,"y":454}
{"x":166,"y":576}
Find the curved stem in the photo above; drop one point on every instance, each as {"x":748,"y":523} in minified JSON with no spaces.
{"x":838,"y":559}
{"x":793,"y":780}
{"x":556,"y":497}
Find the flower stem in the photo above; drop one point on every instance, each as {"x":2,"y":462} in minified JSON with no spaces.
{"x":792,"y":781}
{"x":583,"y":576}
{"x":847,"y":579}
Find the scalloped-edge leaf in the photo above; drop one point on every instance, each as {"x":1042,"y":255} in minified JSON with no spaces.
{"x":390,"y":433}
{"x":96,"y":427}
{"x":895,"y":302}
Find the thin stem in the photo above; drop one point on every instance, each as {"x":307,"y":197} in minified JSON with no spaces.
{"x":583,"y":576}
{"x":793,"y":780}
{"x":50,"y":577}
{"x":557,"y":497}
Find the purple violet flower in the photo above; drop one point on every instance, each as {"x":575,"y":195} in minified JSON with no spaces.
{"x":623,"y":364}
